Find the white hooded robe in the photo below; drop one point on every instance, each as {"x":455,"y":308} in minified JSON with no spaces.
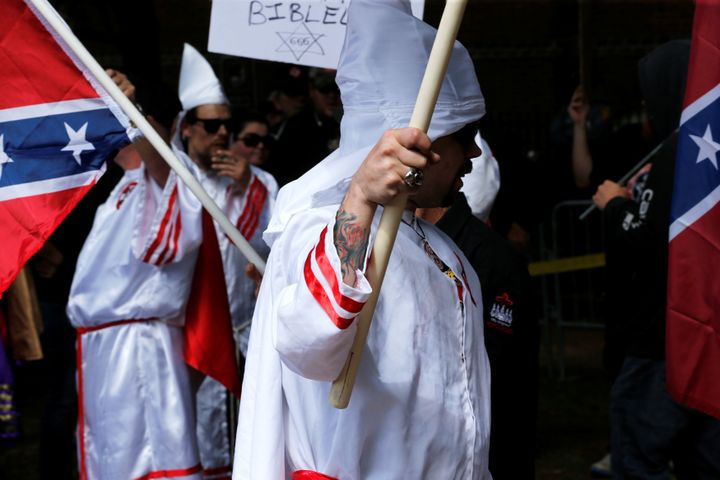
{"x":127,"y":301}
{"x":420,"y":406}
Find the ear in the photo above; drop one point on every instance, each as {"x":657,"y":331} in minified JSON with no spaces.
{"x":185,"y":132}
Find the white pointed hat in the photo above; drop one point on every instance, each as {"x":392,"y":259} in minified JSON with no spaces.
{"x":198,"y":83}
{"x":381,"y":67}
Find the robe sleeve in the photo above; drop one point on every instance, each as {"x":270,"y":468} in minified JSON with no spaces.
{"x":166,"y":226}
{"x":315,"y":310}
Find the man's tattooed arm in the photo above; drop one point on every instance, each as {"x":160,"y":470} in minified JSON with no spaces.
{"x":351,"y":240}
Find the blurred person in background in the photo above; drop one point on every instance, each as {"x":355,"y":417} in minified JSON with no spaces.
{"x":648,"y":428}
{"x":311,"y":134}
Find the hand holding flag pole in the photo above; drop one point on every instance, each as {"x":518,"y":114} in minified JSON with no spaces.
{"x":390,"y":222}
{"x":645,"y":160}
{"x":53,"y":19}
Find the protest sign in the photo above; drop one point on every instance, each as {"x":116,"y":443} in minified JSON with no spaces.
{"x":303,"y":32}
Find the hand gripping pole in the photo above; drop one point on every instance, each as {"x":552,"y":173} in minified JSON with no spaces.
{"x":390,"y":222}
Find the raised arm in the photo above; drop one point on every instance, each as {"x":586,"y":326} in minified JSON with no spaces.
{"x":324,"y":256}
{"x":154,"y":163}
{"x":378,"y":180}
{"x":582,"y":162}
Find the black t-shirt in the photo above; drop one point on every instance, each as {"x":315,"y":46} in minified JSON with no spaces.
{"x":636,"y":233}
{"x":615,"y":155}
{"x":511,"y":340}
{"x":303,"y":141}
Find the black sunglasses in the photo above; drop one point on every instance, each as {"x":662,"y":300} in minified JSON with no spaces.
{"x":252,"y":140}
{"x":212,"y":125}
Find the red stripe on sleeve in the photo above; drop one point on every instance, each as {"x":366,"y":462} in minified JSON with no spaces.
{"x":163,"y":226}
{"x":257,"y":207}
{"x":178,"y":229}
{"x":249,"y":210}
{"x":318,"y":292}
{"x":346,"y":303}
{"x":168,"y":243}
{"x":242,"y":220}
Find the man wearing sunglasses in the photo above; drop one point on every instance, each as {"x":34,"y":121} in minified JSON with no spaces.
{"x":245,"y":193}
{"x":171,"y":295}
{"x":205,"y":133}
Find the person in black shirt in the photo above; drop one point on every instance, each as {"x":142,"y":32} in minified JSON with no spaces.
{"x":310,"y":135}
{"x":649,"y":429}
{"x":511,"y":338}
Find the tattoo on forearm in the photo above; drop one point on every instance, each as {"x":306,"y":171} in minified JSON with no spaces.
{"x":351,"y":241}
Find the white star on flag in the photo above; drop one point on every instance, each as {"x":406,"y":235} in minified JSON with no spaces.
{"x":3,"y":156}
{"x":78,"y":143}
{"x":708,"y":147}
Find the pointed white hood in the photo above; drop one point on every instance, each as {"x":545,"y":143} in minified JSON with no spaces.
{"x":198,"y":83}
{"x":381,"y":68}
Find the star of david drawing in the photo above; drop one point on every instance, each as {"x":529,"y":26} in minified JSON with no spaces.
{"x":300,"y":41}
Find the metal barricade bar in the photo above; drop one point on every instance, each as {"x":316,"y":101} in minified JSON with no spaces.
{"x":570,"y":272}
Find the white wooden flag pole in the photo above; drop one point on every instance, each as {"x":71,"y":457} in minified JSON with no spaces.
{"x":390,"y":222}
{"x":53,"y":19}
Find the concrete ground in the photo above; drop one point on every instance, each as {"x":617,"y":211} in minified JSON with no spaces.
{"x":573,"y":424}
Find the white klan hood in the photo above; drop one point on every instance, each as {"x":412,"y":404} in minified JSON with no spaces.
{"x":381,"y":67}
{"x":198,"y":83}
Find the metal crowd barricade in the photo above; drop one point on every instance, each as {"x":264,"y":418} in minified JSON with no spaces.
{"x":571,"y":277}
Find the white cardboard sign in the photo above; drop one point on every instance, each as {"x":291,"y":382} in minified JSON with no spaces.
{"x":303,"y":32}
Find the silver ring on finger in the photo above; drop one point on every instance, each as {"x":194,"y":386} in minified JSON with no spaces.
{"x":413,"y":178}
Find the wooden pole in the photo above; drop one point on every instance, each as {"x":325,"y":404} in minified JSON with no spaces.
{"x":390,"y":222}
{"x":53,"y":19}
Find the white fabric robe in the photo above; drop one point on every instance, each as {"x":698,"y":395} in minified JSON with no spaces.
{"x":138,"y":263}
{"x":135,"y":403}
{"x":250,"y":212}
{"x":420,"y":407}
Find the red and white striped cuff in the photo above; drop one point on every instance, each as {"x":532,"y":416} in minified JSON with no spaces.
{"x":340,"y":302}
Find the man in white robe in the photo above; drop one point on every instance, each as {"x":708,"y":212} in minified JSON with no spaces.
{"x":130,"y":294}
{"x":420,"y":406}
{"x":247,"y":197}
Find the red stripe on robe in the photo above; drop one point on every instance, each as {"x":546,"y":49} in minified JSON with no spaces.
{"x":310,"y":475}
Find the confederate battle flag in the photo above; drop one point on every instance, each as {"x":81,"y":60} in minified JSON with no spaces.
{"x":57,"y":127}
{"x":693,"y":315}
